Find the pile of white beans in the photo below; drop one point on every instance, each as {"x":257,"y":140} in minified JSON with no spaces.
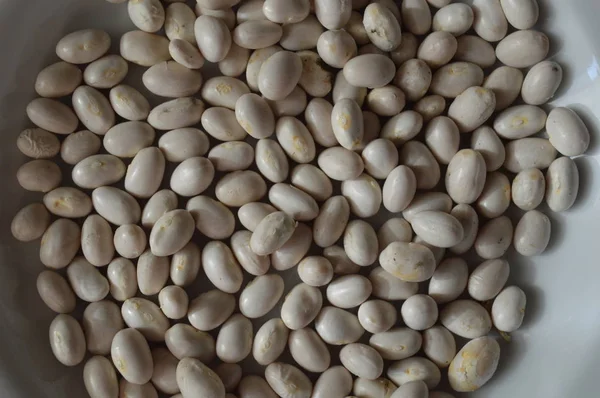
{"x":323,"y":111}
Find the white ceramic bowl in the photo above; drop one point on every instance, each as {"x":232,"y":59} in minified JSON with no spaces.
{"x":555,"y":354}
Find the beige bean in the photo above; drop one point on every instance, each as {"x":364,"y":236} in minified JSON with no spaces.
{"x":55,"y":292}
{"x":122,"y":278}
{"x":144,"y":49}
{"x":221,"y":267}
{"x":407,"y":49}
{"x":87,"y":282}
{"x":230,"y":374}
{"x":261,"y":295}
{"x":369,"y":70}
{"x":301,"y":306}
{"x":255,"y":386}
{"x":83,"y":46}
{"x":302,"y":35}
{"x":294,"y":249}
{"x":480,"y":359}
{"x":251,"y":214}
{"x":523,"y":48}
{"x":356,"y":29}
{"x":210,"y":309}
{"x":449,"y":280}
{"x":338,"y":327}
{"x":38,"y":143}
{"x":67,"y":340}
{"x":179,"y":23}
{"x":255,"y":116}
{"x":257,"y":34}
{"x":59,"y":244}
{"x":52,"y":116}
{"x":116,"y":206}
{"x":58,"y":80}
{"x":213,"y":38}
{"x":455,"y":18}
{"x":100,"y":378}
{"x":250,"y":261}
{"x":39,"y":176}
{"x":485,"y":141}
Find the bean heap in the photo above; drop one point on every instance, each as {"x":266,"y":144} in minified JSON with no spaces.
{"x":323,"y":112}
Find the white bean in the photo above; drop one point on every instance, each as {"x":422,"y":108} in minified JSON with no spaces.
{"x":213,"y":38}
{"x":186,"y":54}
{"x":410,"y":262}
{"x":427,"y":201}
{"x":67,"y":340}
{"x":562,"y":184}
{"x":302,"y":35}
{"x":474,"y":365}
{"x":336,"y":47}
{"x":439,"y":345}
{"x":183,"y":340}
{"x":223,"y":91}
{"x":489,"y":23}
{"x":438,"y":228}
{"x":270,"y":341}
{"x":522,"y":14}
{"x":93,"y":109}
{"x":179,"y":23}
{"x":495,"y":197}
{"x":528,"y":153}
{"x":506,"y":83}
{"x":58,"y":80}
{"x":453,"y":79}
{"x":455,"y":18}
{"x":380,"y":387}
{"x":251,"y":214}
{"x":523,"y":48}
{"x":334,"y":382}
{"x":360,"y":243}
{"x":528,"y":189}
{"x":279,"y":74}
{"x":55,"y":292}
{"x":212,"y":218}
{"x":83,"y":46}
{"x":472,"y":108}
{"x":331,"y":222}
{"x":294,"y":249}
{"x":260,"y":295}
{"x":116,"y":206}
{"x":567,"y":132}
{"x":369,"y":70}
{"x":421,"y":161}
{"x":257,"y":34}
{"x":129,"y":103}
{"x":349,"y":291}
{"x":488,"y":279}
{"x":52,"y":116}
{"x":541,"y":83}
{"x":254,"y":115}
{"x":362,"y":360}
{"x":100,"y":378}
{"x":59,"y":244}
{"x":173,"y":302}
{"x":475,"y":50}
{"x":209,"y":310}
{"x":172,"y":80}
{"x":196,"y":379}
{"x":221,"y":267}
{"x":338,"y":327}
{"x":272,"y":233}
{"x":342,"y":265}
{"x":121,"y":274}
{"x":419,"y":312}
{"x":87,"y":282}
{"x":388,"y":287}
{"x":466,"y":176}
{"x":343,"y":89}
{"x":192,"y":176}
{"x":106,"y":72}
{"x":449,"y":280}
{"x":146,"y":15}
{"x":287,"y":380}
{"x":485,"y":141}
{"x":283,"y":12}
{"x":442,"y":138}
{"x":508,"y":309}
{"x":466,"y":318}
{"x":377,"y":316}
{"x":315,"y":271}
{"x":295,"y":139}
{"x":340,"y":164}
{"x":532,"y":233}
{"x":308,"y":350}
{"x":146,"y":317}
{"x":101,"y":321}
{"x":97,"y":241}
{"x":494,"y":238}
{"x":414,"y":369}
{"x":414,"y":78}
